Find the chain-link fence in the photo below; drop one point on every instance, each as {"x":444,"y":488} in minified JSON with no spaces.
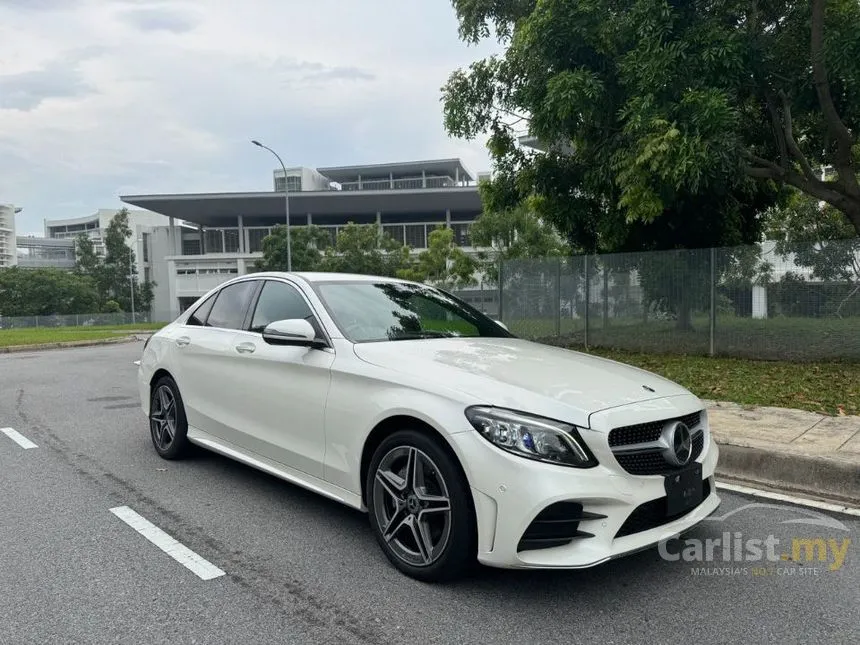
{"x":84,"y":320}
{"x":746,"y":301}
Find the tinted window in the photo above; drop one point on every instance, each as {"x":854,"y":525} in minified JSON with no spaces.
{"x":232,"y":305}
{"x":279,"y":301}
{"x":368,"y":311}
{"x":200,"y":314}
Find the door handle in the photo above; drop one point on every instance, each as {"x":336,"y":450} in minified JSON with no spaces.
{"x":182,"y":341}
{"x":246,"y":348}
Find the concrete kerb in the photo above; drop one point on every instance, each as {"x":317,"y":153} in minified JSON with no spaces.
{"x":821,"y":477}
{"x":16,"y":349}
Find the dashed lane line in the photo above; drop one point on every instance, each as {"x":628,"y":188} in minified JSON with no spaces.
{"x":18,"y":438}
{"x":176,"y":550}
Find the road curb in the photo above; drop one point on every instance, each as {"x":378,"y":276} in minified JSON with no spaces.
{"x":16,"y":349}
{"x":818,"y":476}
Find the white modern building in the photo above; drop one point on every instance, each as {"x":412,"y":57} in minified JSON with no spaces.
{"x":8,"y":247}
{"x":215,"y":236}
{"x":95,"y":226}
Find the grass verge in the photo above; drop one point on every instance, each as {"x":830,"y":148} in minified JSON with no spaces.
{"x":829,"y":388}
{"x":40,"y":335}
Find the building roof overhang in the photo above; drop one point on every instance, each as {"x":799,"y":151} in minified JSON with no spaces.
{"x":219,"y":209}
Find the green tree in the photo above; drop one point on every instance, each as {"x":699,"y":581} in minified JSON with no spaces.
{"x":46,"y":292}
{"x":363,"y":248}
{"x":442,"y":263}
{"x":514,"y":234}
{"x":307,"y":243}
{"x":820,"y":238}
{"x":649,"y":109}
{"x":112,"y":274}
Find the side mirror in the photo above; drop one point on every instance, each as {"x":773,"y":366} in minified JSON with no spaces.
{"x":502,"y":325}
{"x":297,"y":331}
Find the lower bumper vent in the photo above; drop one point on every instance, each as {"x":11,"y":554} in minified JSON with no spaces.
{"x":652,"y":514}
{"x":556,"y":525}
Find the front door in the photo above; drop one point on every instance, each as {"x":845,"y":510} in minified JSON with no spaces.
{"x":280,"y":391}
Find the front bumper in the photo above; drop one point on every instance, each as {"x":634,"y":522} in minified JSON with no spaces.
{"x":510,"y":492}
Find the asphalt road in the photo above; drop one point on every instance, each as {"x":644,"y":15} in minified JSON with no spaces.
{"x":301,"y":569}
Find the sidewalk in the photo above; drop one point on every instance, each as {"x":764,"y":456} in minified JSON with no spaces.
{"x":789,"y":450}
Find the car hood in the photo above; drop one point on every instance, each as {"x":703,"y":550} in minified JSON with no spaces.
{"x":519,"y":374}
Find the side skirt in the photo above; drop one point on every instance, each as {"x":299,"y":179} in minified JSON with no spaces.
{"x":286,"y":473}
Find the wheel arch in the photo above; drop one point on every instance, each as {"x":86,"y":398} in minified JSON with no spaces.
{"x":392,"y":424}
{"x":157,"y":376}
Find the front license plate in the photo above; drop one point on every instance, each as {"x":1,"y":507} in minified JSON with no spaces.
{"x":683,"y":490}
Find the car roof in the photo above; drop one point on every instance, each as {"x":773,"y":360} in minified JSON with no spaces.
{"x":316,"y":277}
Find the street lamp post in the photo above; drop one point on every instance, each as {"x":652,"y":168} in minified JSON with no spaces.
{"x":131,"y":282}
{"x":286,"y":202}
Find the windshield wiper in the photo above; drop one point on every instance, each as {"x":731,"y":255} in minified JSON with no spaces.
{"x":427,"y":333}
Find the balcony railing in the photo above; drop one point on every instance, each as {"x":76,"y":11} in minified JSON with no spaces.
{"x":410,"y":183}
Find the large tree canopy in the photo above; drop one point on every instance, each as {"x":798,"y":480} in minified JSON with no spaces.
{"x":652,"y":110}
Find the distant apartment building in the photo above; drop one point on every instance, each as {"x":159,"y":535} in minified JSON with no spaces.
{"x":215,"y":236}
{"x":95,"y":226}
{"x":8,"y":247}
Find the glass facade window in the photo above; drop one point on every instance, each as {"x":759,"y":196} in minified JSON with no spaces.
{"x":415,"y":236}
{"x":145,"y":242}
{"x":395,"y":231}
{"x":255,"y":239}
{"x":191,"y":246}
{"x":294,"y":184}
{"x":213,"y":240}
{"x":231,"y":240}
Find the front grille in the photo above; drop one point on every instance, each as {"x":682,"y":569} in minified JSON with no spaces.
{"x":652,"y":514}
{"x":652,"y":462}
{"x":645,"y":432}
{"x":556,"y":525}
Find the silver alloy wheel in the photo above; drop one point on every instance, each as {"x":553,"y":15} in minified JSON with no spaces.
{"x":162,"y":417}
{"x":412,"y":505}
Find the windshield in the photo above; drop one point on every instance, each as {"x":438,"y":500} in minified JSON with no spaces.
{"x":377,"y":311}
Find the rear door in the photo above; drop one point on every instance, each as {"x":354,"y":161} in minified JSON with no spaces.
{"x":204,"y":353}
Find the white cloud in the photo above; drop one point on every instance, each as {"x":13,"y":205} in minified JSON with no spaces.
{"x":101,"y":97}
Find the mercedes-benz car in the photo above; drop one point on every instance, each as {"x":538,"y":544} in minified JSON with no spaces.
{"x":462,"y":442}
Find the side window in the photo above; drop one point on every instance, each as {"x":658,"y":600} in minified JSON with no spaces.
{"x":198,"y":318}
{"x":280,"y":301}
{"x":232,"y":305}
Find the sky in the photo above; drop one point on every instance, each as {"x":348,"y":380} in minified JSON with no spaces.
{"x":101,"y":98}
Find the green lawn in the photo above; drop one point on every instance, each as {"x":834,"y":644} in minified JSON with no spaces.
{"x":39,"y":335}
{"x":830,"y":388}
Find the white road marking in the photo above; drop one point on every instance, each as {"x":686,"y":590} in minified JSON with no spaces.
{"x":800,"y":501}
{"x":176,"y":550}
{"x":18,"y":438}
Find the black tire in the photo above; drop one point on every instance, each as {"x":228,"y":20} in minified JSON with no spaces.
{"x":168,"y":447}
{"x":388,"y":506}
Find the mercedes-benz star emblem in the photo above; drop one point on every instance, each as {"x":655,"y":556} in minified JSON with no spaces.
{"x":679,"y":443}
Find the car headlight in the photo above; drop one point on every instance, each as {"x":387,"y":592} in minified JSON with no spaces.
{"x":532,"y":437}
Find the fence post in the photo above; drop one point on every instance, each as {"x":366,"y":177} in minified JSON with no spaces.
{"x":558,"y":297}
{"x":713,"y":312}
{"x":587,"y":296}
{"x":501,"y":289}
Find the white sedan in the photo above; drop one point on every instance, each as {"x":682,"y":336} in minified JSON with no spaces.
{"x":462,"y":442}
